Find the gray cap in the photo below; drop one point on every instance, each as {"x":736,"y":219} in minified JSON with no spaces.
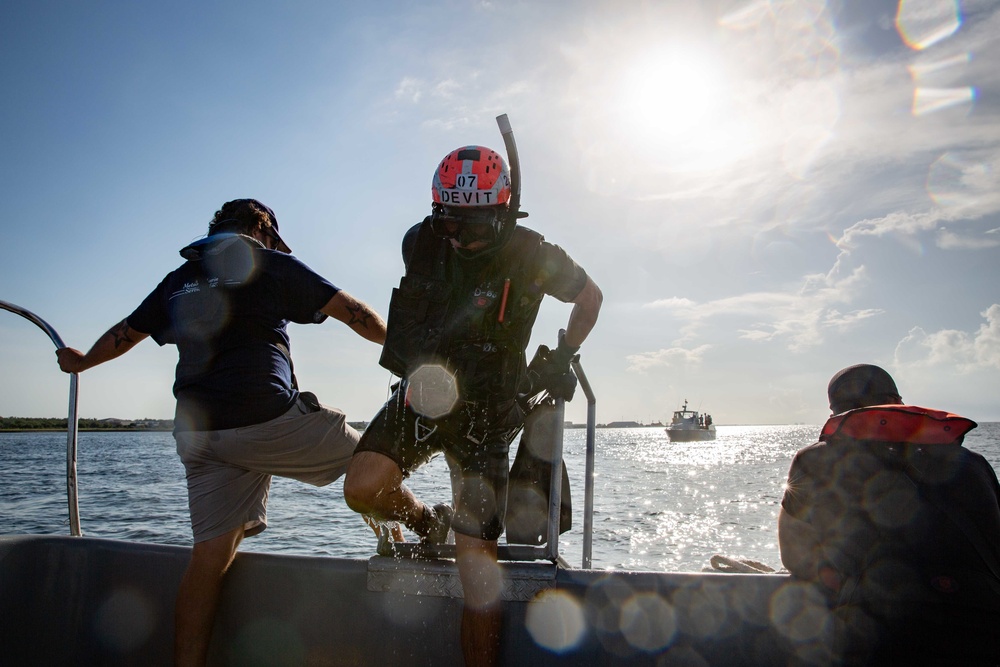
{"x":859,"y":386}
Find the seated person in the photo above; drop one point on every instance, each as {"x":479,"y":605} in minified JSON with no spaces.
{"x":900,"y":525}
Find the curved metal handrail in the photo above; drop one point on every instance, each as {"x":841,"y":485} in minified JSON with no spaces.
{"x":72,"y":419}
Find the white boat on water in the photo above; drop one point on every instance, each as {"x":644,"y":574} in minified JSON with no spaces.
{"x":690,"y":426}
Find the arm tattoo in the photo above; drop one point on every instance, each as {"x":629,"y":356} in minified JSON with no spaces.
{"x":359,"y":315}
{"x":120,"y":332}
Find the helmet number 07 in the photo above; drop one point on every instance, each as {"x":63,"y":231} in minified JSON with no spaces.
{"x":466,"y":181}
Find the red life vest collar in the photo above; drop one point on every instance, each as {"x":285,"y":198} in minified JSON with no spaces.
{"x":898,"y":423}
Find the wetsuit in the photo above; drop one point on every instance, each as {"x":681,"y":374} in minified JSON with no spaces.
{"x":472,"y":316}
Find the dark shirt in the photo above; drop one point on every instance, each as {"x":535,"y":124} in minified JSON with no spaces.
{"x":513,"y":279}
{"x":226,"y":310}
{"x":908,"y":527}
{"x":553,"y":271}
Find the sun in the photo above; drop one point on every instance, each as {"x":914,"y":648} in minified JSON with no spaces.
{"x":669,"y":94}
{"x":677,"y":104}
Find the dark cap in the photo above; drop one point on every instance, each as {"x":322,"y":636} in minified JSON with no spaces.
{"x":860,"y":386}
{"x":234,"y":214}
{"x":280,"y":244}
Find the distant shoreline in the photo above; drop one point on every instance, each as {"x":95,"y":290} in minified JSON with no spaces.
{"x":360,"y":426}
{"x":87,"y":430}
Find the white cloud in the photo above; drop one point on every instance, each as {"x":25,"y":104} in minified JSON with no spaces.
{"x":896,"y":222}
{"x":800,"y":317}
{"x":409,"y":89}
{"x":673,"y":357}
{"x":987,"y":341}
{"x":673,"y":303}
{"x":843,"y":321}
{"x":447,"y":89}
{"x":949,"y":240}
{"x":957,"y":350}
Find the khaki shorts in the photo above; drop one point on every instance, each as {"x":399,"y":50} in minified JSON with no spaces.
{"x":229,"y":471}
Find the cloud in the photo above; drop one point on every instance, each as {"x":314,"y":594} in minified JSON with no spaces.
{"x":447,"y":89}
{"x":799,"y":319}
{"x":948,"y":240}
{"x":673,"y":303}
{"x":836,"y":320}
{"x":409,"y":89}
{"x":895,"y":223}
{"x":957,"y":350}
{"x":672,"y":357}
{"x":963,"y":206}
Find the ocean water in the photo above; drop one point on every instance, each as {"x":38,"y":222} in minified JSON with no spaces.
{"x":657,"y":506}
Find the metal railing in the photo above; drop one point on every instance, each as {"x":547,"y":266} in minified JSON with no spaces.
{"x":588,"y":499}
{"x":72,"y":419}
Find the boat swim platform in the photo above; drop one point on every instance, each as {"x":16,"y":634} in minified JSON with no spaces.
{"x":89,"y":601}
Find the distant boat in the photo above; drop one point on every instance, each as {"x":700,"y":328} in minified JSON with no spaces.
{"x":689,"y":426}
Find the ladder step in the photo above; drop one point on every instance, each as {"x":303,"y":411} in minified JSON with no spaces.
{"x":439,"y":578}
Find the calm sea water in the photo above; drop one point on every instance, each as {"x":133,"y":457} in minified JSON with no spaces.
{"x":657,"y":506}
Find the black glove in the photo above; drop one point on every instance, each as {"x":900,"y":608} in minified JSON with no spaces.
{"x":549,"y":370}
{"x":562,"y":385}
{"x":563,"y":354}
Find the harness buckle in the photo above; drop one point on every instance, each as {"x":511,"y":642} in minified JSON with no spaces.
{"x":421,"y":432}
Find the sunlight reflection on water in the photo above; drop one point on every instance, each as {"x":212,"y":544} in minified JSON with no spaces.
{"x":657,"y":505}
{"x":672,"y":506}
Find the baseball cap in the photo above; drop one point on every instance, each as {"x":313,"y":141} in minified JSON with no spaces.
{"x":280,"y":244}
{"x":859,"y":386}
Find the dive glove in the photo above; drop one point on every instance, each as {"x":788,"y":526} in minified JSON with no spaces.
{"x":556,"y":376}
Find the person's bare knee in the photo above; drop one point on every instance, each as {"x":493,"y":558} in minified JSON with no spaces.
{"x":369,"y":477}
{"x":216,"y":555}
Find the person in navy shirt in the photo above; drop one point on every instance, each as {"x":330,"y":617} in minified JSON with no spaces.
{"x":240,"y":416}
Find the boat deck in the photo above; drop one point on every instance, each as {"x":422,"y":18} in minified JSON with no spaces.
{"x":81,"y":600}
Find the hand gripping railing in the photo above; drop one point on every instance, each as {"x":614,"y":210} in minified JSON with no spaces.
{"x":72,"y":419}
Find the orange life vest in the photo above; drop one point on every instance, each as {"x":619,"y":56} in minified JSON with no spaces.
{"x":898,"y":423}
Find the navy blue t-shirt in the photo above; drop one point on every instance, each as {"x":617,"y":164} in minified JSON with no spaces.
{"x":226,"y":310}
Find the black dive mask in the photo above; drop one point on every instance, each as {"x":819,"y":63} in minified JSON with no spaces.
{"x":466,"y":225}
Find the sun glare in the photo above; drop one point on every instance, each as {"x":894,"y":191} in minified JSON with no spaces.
{"x":668,"y":95}
{"x":673,"y":107}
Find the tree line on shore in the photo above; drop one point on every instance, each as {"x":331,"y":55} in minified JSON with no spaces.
{"x":59,"y":424}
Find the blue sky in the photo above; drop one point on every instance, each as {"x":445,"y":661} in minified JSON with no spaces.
{"x":766,"y":192}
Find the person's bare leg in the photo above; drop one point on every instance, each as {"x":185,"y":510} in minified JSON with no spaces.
{"x":198,"y":597}
{"x":482,"y":614}
{"x":374,"y":486}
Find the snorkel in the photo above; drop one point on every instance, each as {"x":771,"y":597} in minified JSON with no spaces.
{"x":514,"y":203}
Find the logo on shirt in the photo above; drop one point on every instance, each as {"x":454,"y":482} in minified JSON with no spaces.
{"x":483,"y":297}
{"x":192,"y":287}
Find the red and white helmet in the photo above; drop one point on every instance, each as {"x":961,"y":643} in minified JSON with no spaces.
{"x":471,"y":176}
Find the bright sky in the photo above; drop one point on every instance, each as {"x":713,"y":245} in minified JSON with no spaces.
{"x":766,"y":191}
